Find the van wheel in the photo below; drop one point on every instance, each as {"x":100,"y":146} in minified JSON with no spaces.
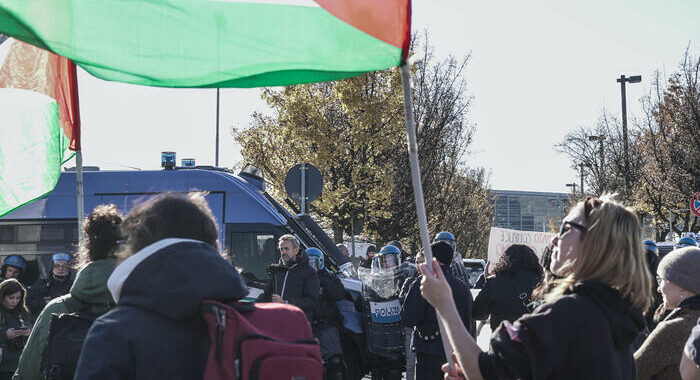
{"x":352,"y":360}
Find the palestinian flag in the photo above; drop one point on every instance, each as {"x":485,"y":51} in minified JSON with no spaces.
{"x":216,"y":43}
{"x":39,"y":122}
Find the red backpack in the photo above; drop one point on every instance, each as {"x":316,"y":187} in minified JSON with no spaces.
{"x":267,"y":341}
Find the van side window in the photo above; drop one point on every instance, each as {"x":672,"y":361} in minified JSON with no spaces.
{"x":253,"y":252}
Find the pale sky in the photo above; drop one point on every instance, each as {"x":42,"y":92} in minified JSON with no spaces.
{"x":538,"y":69}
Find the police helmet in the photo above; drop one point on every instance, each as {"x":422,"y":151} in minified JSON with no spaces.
{"x":685,"y":242}
{"x":650,"y":245}
{"x":58,"y":257}
{"x":315,"y":258}
{"x":389,"y":257}
{"x":447,"y":237}
{"x":16,"y":261}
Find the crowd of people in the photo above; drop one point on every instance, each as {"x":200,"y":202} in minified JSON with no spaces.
{"x":599,"y":302}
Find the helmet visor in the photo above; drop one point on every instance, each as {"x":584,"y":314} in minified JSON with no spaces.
{"x":314,"y":262}
{"x":385,"y":261}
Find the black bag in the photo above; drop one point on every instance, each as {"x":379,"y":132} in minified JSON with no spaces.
{"x":66,"y":335}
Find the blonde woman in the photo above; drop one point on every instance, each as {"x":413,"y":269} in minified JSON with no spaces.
{"x":586,"y":327}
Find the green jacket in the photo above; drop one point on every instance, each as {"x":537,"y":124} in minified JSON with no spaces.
{"x":90,"y":287}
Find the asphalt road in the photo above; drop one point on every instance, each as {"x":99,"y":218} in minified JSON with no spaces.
{"x":482,"y":340}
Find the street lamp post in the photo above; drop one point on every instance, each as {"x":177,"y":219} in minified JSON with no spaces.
{"x":582,"y":165}
{"x":622,"y":80}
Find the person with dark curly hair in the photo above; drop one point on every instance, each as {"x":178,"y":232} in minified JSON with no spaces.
{"x":170,"y":262}
{"x":506,"y":294}
{"x":96,"y":261}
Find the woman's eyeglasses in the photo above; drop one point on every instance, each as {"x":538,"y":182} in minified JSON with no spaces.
{"x":566,"y":226}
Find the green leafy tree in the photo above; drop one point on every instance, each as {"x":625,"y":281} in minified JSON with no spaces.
{"x":353,"y":132}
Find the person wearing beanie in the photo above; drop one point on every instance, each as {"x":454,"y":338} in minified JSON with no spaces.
{"x":661,"y":353}
{"x":417,"y":313}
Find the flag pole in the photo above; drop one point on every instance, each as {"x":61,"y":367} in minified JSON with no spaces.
{"x":79,"y":189}
{"x":75,"y":116}
{"x":418,"y":189}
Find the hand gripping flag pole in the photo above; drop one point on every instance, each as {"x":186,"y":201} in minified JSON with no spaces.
{"x":418,"y":189}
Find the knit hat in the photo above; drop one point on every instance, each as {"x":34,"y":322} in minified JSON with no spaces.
{"x":681,"y":267}
{"x":442,"y":251}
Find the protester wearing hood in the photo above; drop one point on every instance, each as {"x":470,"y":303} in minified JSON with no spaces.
{"x":293,"y":280}
{"x":417,"y":313}
{"x":55,"y":285}
{"x":169,"y":264}
{"x":89,"y":292}
{"x":586,"y":327}
{"x":506,"y":295}
{"x":661,"y":353}
{"x":13,"y":267}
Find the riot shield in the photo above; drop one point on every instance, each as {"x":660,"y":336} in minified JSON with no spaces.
{"x":381,"y":309}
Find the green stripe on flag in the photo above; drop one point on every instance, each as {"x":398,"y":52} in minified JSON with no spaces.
{"x":33,"y":147}
{"x":185,"y":43}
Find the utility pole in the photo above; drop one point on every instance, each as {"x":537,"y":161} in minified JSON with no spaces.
{"x":622,"y":80}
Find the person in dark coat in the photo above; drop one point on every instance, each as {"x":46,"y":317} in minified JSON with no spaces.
{"x":170,"y":264}
{"x":55,"y":285}
{"x":366,"y":262}
{"x":326,"y":319}
{"x":507,"y":293}
{"x":416,"y":312}
{"x":293,"y":280}
{"x":587,"y":325}
{"x":14,"y":325}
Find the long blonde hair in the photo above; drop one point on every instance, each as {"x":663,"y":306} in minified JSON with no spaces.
{"x":610,"y":251}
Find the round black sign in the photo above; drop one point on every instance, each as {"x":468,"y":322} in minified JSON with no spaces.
{"x":313,"y":182}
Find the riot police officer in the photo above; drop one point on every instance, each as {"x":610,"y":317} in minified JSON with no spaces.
{"x":326,"y":318}
{"x":381,"y":309}
{"x":55,"y":285}
{"x":13,"y":267}
{"x":457,"y":266}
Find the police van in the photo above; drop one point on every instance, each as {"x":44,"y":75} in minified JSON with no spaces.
{"x":250,"y":223}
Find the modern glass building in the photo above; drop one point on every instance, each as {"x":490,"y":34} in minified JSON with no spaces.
{"x":528,"y":210}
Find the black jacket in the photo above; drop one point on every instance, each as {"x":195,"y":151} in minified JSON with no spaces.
{"x":44,"y":290}
{"x":366,"y":263}
{"x":417,"y":312}
{"x":11,"y":348}
{"x":297,"y":283}
{"x":325,"y":311}
{"x":505,"y":297}
{"x":585,"y":334}
{"x":154,"y":331}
